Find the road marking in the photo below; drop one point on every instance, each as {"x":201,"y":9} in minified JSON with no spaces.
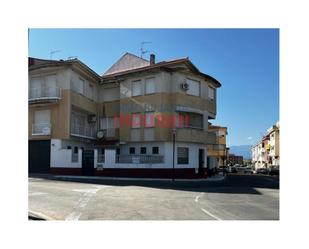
{"x":83,"y":201}
{"x":36,"y":193}
{"x":73,"y":216}
{"x":210,"y":214}
{"x":198,"y":196}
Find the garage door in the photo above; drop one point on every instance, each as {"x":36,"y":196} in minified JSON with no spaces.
{"x":39,"y":156}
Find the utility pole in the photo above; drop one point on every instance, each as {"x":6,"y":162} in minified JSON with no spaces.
{"x":174,"y":141}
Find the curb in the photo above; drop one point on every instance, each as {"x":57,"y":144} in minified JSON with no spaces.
{"x":136,"y":179}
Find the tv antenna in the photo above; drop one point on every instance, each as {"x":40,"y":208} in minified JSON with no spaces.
{"x":53,"y":52}
{"x":143,"y":51}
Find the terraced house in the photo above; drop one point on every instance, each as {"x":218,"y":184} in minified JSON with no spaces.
{"x":140,"y":118}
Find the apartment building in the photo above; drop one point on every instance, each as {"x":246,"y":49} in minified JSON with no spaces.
{"x":216,"y":147}
{"x":235,"y":159}
{"x":140,"y":118}
{"x":266,"y":152}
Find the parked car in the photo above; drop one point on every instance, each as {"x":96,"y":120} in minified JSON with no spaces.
{"x":226,"y":169}
{"x":234,"y":169}
{"x":249,"y":170}
{"x":274,"y":170}
{"x":261,"y":171}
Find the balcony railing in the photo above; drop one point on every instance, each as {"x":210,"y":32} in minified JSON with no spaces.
{"x":83,"y":131}
{"x":110,"y":132}
{"x":44,"y":93}
{"x":41,"y":129}
{"x":151,"y":159}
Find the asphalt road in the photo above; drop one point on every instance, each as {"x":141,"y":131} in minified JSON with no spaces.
{"x":239,"y":197}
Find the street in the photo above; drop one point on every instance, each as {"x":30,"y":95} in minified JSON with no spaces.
{"x":238,"y":197}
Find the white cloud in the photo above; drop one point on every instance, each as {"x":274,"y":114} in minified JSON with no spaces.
{"x":249,"y":138}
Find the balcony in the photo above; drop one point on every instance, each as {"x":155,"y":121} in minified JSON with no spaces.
{"x":83,"y":131}
{"x":44,"y":94}
{"x":139,"y":159}
{"x":43,"y":129}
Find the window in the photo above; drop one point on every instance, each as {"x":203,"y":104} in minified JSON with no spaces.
{"x":143,"y":150}
{"x":182,"y":155}
{"x":42,"y":117}
{"x":150,"y":85}
{"x":155,"y":150}
{"x":75,"y":150}
{"x":211,"y":93}
{"x":102,"y":151}
{"x":137,"y":88}
{"x":118,"y":151}
{"x":69,"y":147}
{"x":136,"y":120}
{"x":191,"y":120}
{"x":90,"y":93}
{"x":149,"y":119}
{"x":194,"y":87}
{"x":50,"y":81}
{"x":80,"y":86}
{"x":132,"y":150}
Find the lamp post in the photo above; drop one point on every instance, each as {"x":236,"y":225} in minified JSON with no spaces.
{"x":174,"y":139}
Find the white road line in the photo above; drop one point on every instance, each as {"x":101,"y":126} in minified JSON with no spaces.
{"x":82,"y":202}
{"x":36,"y":193}
{"x":197,"y":197}
{"x":210,"y":214}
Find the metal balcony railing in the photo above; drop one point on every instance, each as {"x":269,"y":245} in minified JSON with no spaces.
{"x":41,"y":129}
{"x":110,"y":132}
{"x":44,"y":93}
{"x":83,"y":131}
{"x":151,"y":159}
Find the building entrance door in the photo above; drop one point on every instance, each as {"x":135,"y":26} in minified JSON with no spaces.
{"x":88,"y":162}
{"x":201,"y":162}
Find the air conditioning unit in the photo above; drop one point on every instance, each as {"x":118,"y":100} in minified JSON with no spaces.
{"x":184,"y":86}
{"x":92,"y":118}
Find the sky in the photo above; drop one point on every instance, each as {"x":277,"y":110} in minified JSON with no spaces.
{"x":245,"y":61}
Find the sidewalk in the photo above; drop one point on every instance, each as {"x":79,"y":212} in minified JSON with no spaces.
{"x":216,"y":178}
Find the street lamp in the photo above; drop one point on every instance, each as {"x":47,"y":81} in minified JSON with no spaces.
{"x":174,"y":139}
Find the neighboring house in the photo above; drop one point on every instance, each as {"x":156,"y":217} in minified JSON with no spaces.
{"x":216,"y":147}
{"x":121,"y":123}
{"x":62,"y":102}
{"x":235,"y":159}
{"x":274,"y":145}
{"x":266,"y":152}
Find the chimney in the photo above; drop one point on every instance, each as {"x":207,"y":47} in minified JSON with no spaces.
{"x":152,"y":59}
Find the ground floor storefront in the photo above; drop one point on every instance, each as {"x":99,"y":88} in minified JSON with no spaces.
{"x":135,"y":159}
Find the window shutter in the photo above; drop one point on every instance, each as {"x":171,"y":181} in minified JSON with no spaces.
{"x":150,"y":85}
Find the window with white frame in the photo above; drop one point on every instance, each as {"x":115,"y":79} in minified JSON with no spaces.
{"x":150,"y":85}
{"x":211,"y":93}
{"x":137,"y":88}
{"x":149,"y":119}
{"x":194,"y":87}
{"x":136,"y":120}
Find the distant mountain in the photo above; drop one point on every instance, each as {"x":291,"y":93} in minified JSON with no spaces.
{"x":241,"y":150}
